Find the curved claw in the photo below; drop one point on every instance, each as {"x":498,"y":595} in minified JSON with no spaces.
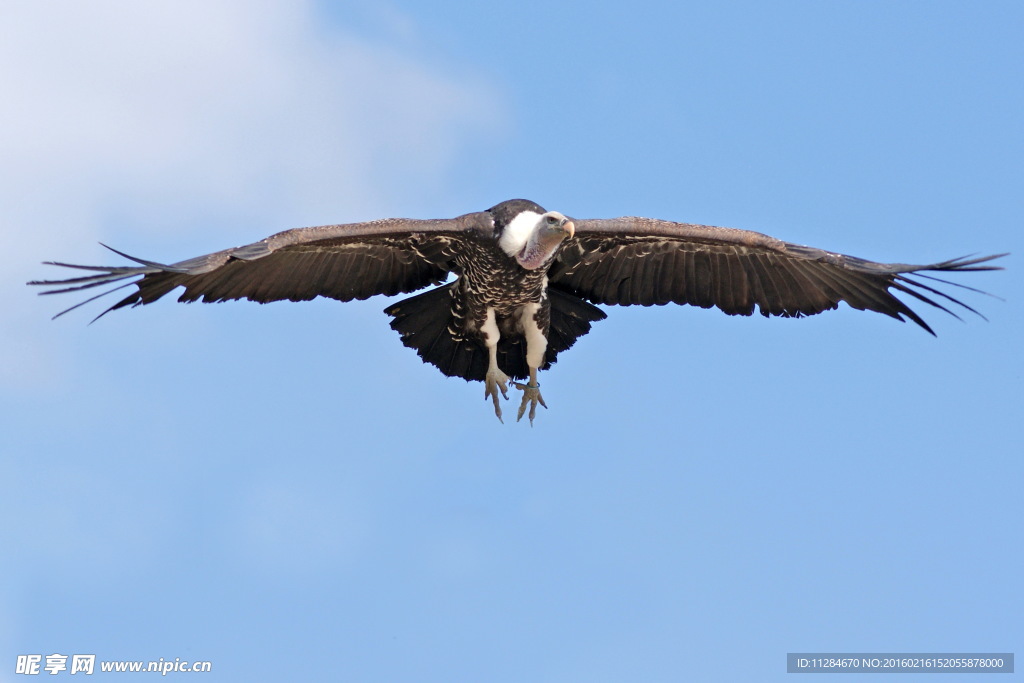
{"x":531,"y":397}
{"x":496,"y":381}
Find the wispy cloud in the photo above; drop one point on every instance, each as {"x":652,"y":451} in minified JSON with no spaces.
{"x":158,"y":113}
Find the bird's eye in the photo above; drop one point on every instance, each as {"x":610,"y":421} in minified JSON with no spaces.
{"x":552,"y":220}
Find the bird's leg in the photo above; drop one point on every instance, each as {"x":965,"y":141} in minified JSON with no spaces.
{"x":536,"y":346}
{"x":531,"y":396}
{"x":495,"y":380}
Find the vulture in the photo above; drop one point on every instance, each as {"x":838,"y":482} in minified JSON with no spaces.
{"x":526,"y":281}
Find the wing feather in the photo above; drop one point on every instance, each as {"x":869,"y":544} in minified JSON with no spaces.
{"x":344,"y":262}
{"x":697,"y":279}
{"x":661,"y":277}
{"x":728,"y":287}
{"x":773,"y":296}
{"x":645,"y":261}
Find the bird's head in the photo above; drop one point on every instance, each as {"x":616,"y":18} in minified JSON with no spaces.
{"x":554,"y":223}
{"x":532,"y":238}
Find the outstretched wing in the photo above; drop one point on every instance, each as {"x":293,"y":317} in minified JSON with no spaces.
{"x":646,"y":261}
{"x":344,"y":262}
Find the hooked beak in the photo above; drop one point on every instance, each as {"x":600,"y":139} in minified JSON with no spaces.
{"x":569,"y":227}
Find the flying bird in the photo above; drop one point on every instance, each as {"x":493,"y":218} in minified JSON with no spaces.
{"x":526,"y":281}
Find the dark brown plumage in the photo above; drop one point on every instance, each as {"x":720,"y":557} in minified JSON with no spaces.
{"x":530,"y":277}
{"x":643,"y":261}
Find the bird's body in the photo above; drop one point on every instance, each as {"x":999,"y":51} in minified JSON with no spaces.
{"x":526,"y":280}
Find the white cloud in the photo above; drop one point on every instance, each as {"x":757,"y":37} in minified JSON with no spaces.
{"x":158,"y":113}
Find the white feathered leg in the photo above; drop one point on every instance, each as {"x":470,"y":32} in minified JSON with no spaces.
{"x":496,"y":380}
{"x":536,"y":347}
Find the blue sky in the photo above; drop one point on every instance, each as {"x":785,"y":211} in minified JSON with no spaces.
{"x":287,"y":492}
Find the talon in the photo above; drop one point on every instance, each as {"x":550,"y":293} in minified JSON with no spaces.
{"x":496,"y":381}
{"x":531,"y":397}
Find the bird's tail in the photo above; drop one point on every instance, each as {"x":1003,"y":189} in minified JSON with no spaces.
{"x":426,"y":321}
